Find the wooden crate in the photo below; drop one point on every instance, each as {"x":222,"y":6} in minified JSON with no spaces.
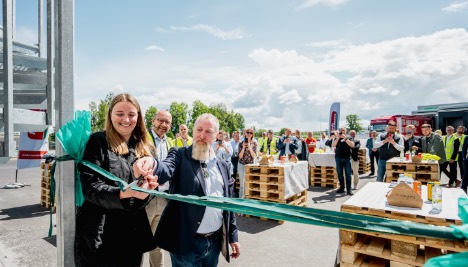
{"x":421,"y":171}
{"x":407,"y":252}
{"x":252,"y":170}
{"x":45,"y":186}
{"x":357,"y":247}
{"x":323,"y":176}
{"x":272,"y":170}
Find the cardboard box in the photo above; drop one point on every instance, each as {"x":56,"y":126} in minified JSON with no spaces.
{"x":266,"y":160}
{"x":415,"y":158}
{"x":404,"y":196}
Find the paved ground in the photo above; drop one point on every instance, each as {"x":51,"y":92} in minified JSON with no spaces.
{"x":24,"y":227}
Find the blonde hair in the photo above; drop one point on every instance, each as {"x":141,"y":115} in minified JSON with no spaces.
{"x":116,"y":142}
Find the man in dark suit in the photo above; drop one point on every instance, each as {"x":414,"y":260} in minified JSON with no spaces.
{"x":412,"y":143}
{"x":373,"y":152}
{"x":287,"y":144}
{"x":194,"y":235}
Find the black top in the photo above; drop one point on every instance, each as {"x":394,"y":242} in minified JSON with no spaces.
{"x":108,"y":229}
{"x":387,"y":150}
{"x":343,"y":150}
{"x":355,"y":149}
{"x":413,"y":141}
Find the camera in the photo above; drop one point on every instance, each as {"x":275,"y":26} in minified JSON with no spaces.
{"x":220,"y":142}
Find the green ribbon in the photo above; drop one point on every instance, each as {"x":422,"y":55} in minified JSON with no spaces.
{"x":291,"y":213}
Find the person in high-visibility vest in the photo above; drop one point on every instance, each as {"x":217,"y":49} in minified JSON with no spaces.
{"x":461,"y":136}
{"x":268,"y":145}
{"x":183,"y":139}
{"x":452,"y":145}
{"x":162,"y":123}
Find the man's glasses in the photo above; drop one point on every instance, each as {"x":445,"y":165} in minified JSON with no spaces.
{"x":249,"y":132}
{"x":163,"y":121}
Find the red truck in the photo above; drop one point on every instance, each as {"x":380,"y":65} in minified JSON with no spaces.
{"x":380,"y":123}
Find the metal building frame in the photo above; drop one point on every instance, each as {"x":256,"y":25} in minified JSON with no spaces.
{"x":58,"y":90}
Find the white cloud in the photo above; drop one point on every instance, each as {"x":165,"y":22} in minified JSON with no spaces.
{"x":286,"y":88}
{"x":331,"y":44}
{"x":219,"y":33}
{"x":373,"y":90}
{"x":456,"y":6}
{"x":395,"y":92}
{"x":290,"y":97}
{"x":154,"y":48}
{"x":312,"y":3}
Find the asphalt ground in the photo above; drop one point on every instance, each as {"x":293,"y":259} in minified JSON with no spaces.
{"x":24,"y":226}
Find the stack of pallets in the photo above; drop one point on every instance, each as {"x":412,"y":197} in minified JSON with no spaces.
{"x":324,"y":176}
{"x":266,"y":183}
{"x":421,"y":171}
{"x":359,"y":248}
{"x":45,"y":185}
{"x":364,"y":166}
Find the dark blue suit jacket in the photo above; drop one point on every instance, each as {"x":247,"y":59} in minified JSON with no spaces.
{"x":281,"y":146}
{"x":180,"y":221}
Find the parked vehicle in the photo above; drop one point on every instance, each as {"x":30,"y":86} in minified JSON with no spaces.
{"x":379,"y":124}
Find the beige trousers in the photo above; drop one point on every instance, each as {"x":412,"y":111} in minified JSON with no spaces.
{"x":154,"y":209}
{"x":355,"y":168}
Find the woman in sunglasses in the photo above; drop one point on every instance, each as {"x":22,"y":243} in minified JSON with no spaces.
{"x":247,"y":152}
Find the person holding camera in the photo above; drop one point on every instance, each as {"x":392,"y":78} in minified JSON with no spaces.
{"x":222,"y":148}
{"x":247,"y":152}
{"x":343,"y":147}
{"x":389,"y":144}
{"x":287,"y":144}
{"x":412,"y":143}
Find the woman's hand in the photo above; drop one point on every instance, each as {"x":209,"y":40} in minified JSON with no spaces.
{"x":144,"y":167}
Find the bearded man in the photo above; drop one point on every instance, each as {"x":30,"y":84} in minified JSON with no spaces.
{"x":194,"y":235}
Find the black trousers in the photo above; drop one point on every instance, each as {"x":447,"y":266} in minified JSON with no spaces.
{"x":235,"y":161}
{"x":373,"y":155}
{"x":452,"y":173}
{"x":460,"y":165}
{"x":464,"y":184}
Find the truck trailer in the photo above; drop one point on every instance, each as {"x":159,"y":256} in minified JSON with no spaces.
{"x":379,"y":124}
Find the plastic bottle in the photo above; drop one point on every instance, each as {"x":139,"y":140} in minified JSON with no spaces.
{"x":401,"y":178}
{"x":436,"y":198}
{"x":402,"y":155}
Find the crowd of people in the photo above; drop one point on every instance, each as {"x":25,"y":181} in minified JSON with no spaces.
{"x":450,"y":148}
{"x":115,"y":227}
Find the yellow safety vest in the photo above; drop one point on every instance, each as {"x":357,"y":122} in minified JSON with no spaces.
{"x":273,"y":142}
{"x":449,"y":146}
{"x":169,"y":141}
{"x":179,"y":143}
{"x":462,"y":140}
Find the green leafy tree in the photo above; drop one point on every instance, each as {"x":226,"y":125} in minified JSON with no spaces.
{"x":99,"y":112}
{"x":198,"y":108}
{"x":282,"y":131}
{"x":149,"y":116}
{"x":179,"y":112}
{"x":353,"y":123}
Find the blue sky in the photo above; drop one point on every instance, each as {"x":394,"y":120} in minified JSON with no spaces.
{"x":279,"y":63}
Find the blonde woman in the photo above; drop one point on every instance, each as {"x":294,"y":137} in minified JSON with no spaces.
{"x":112,"y":228}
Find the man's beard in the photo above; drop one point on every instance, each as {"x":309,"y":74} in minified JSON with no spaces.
{"x":200,"y":150}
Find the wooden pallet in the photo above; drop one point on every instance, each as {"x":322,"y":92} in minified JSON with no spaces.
{"x":272,"y":170}
{"x":299,"y":199}
{"x":266,"y":190}
{"x":424,"y":178}
{"x":396,"y":252}
{"x":400,"y":215}
{"x":252,"y":170}
{"x":405,"y":166}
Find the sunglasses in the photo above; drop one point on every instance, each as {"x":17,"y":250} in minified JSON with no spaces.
{"x":250,"y":132}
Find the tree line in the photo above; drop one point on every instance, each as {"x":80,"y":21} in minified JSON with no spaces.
{"x":229,"y":120}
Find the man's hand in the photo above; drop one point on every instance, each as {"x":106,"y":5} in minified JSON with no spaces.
{"x":414,"y":148}
{"x":235,"y":250}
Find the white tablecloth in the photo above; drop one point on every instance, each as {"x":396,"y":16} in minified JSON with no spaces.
{"x":295,"y":177}
{"x":322,"y":159}
{"x":373,"y":195}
